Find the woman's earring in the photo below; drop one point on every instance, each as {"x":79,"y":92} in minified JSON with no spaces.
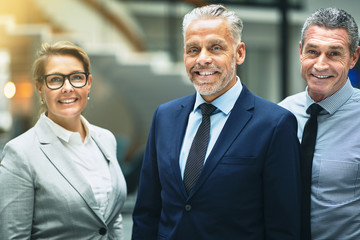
{"x":89,"y":96}
{"x":42,"y":101}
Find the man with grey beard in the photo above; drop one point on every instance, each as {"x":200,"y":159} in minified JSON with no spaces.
{"x":221,"y":163}
{"x":328,"y":126}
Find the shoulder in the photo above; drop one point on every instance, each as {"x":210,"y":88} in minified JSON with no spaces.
{"x":99,"y":130}
{"x":27,"y":140}
{"x":266,"y":114}
{"x":262,"y":109}
{"x":101,"y":134}
{"x":190,"y":99}
{"x":17,"y":152}
{"x":270,"y":111}
{"x":294,"y":101}
{"x":170,"y":109}
{"x":356,"y":95}
{"x":273,"y":118}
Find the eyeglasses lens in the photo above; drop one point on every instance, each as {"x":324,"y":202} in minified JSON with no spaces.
{"x":56,"y":81}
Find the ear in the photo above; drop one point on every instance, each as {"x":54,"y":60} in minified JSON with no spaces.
{"x":89,"y":82}
{"x":184,"y":53}
{"x":240,"y":53}
{"x":39,"y":88}
{"x":300,"y":52}
{"x":355,"y":57}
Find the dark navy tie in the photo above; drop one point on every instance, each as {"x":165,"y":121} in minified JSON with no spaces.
{"x":308,"y":142}
{"x":198,"y":148}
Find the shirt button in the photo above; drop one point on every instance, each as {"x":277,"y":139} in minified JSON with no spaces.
{"x":187,"y":207}
{"x":102,"y":231}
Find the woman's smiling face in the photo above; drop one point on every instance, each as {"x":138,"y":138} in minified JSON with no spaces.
{"x":67,"y":102}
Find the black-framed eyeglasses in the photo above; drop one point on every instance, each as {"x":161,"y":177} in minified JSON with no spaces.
{"x":56,"y":80}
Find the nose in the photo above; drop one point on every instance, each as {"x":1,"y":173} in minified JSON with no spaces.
{"x":321,"y":63}
{"x":204,"y":57}
{"x":67,"y":87}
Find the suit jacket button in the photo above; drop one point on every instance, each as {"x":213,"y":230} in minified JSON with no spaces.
{"x":102,"y":231}
{"x":187,"y":207}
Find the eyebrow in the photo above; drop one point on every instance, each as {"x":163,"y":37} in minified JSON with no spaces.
{"x":59,"y":73}
{"x":336,"y":47}
{"x":216,"y":41}
{"x":211,"y":42}
{"x":191,"y":44}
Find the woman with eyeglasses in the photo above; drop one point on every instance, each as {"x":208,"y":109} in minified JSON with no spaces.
{"x":61,"y":179}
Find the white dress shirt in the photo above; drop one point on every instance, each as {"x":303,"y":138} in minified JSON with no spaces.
{"x":88,"y":158}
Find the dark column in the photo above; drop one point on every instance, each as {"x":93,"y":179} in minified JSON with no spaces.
{"x":283,"y":48}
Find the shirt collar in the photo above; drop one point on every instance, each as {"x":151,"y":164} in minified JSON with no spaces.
{"x":66,"y":135}
{"x":335,"y":101}
{"x":226,"y":101}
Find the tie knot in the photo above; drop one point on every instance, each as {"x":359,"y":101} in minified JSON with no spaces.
{"x":314,"y":109}
{"x":207,"y":109}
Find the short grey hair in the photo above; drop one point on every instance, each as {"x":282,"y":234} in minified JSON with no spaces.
{"x":333,"y":18}
{"x":216,"y":11}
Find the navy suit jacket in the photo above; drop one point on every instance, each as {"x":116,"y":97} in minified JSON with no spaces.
{"x":249,"y":187}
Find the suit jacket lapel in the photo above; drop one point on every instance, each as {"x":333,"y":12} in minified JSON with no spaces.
{"x":115,"y":177}
{"x":180,"y":122}
{"x":115,"y":194}
{"x":54,"y":151}
{"x":239,"y":116}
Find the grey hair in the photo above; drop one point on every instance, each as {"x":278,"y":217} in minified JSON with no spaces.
{"x":216,"y":11}
{"x":333,"y":18}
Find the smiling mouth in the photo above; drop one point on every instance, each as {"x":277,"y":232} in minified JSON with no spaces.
{"x":205,"y":73}
{"x":322,"y":76}
{"x":68,"y":100}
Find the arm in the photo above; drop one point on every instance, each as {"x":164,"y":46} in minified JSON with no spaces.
{"x":281,"y":182}
{"x":147,"y":210}
{"x":16,"y":195}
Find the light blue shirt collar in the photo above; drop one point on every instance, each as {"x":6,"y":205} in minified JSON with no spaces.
{"x":335,"y":101}
{"x":226,"y":101}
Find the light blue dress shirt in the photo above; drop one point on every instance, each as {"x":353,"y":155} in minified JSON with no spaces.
{"x":335,"y":190}
{"x":224,"y":105}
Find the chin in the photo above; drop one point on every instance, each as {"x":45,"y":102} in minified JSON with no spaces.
{"x":71,"y":114}
{"x":205,"y":90}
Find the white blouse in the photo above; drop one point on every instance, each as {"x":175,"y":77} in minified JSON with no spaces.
{"x":88,"y":158}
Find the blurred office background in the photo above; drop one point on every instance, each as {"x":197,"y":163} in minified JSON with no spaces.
{"x":136,"y":52}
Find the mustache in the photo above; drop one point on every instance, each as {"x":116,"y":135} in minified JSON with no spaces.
{"x":200,"y":67}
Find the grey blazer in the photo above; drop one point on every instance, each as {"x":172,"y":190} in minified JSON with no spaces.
{"x":42,"y":195}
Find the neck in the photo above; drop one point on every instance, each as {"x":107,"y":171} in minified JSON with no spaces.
{"x":73,"y":124}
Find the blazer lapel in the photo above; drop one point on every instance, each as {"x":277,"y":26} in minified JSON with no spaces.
{"x":180,"y":122}
{"x":114,"y":198}
{"x":116,"y":176}
{"x":239,"y":116}
{"x":54,"y":151}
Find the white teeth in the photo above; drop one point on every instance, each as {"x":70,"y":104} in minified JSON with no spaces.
{"x":68,"y":100}
{"x":322,"y":77}
{"x":206,"y":73}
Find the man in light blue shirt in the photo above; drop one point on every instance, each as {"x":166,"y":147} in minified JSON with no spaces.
{"x":328,"y":49}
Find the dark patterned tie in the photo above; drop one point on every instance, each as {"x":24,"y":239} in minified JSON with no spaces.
{"x":198,"y":148}
{"x":307,"y":149}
